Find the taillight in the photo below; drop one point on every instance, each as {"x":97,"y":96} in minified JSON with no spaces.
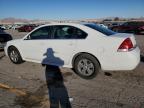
{"x":126,"y":45}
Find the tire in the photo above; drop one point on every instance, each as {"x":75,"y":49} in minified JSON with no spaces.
{"x":86,"y":66}
{"x":14,"y":55}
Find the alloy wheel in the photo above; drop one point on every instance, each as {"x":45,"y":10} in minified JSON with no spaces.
{"x":86,"y":67}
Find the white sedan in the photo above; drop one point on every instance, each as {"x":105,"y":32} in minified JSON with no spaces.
{"x":86,"y":48}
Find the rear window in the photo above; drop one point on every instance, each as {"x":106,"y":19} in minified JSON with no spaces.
{"x":103,"y":30}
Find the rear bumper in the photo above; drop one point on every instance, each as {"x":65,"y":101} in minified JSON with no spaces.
{"x":122,"y":61}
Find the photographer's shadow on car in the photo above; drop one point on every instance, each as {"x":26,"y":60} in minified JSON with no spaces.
{"x":2,"y":55}
{"x":142,"y":58}
{"x":58,"y":94}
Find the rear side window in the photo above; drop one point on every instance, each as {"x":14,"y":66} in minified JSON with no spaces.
{"x":103,"y":30}
{"x":68,"y":32}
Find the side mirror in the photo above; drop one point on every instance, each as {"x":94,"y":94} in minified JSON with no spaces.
{"x":27,"y":38}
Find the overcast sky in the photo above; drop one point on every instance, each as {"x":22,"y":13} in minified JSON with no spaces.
{"x":70,"y":9}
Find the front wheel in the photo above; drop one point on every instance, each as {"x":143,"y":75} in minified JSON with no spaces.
{"x":14,"y":55}
{"x":86,"y":66}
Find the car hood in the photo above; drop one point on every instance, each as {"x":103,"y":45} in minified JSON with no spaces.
{"x":14,"y":41}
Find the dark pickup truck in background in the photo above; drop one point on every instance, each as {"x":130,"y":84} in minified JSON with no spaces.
{"x":130,"y":27}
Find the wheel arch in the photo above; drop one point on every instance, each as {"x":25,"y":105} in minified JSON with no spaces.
{"x":78,"y":54}
{"x":11,"y":46}
{"x":14,"y":47}
{"x":16,"y":59}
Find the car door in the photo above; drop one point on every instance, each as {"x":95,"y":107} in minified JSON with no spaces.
{"x":61,"y":46}
{"x":33,"y":46}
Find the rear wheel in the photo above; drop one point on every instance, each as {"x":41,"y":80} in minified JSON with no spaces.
{"x":86,"y":66}
{"x":14,"y":55}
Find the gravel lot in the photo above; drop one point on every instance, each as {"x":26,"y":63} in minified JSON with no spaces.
{"x":25,"y":86}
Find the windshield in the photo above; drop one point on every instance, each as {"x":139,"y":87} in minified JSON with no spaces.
{"x":2,"y":32}
{"x":103,"y":30}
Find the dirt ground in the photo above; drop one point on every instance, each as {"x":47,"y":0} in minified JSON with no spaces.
{"x":25,"y":85}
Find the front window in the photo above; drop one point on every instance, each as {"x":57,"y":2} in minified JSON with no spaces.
{"x":41,"y":33}
{"x":103,"y":30}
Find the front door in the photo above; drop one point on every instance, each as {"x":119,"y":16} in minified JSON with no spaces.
{"x":33,"y":46}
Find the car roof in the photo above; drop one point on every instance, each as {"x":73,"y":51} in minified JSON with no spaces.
{"x":68,"y":24}
{"x":81,"y":24}
{"x":60,"y":24}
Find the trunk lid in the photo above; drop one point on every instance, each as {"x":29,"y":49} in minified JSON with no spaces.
{"x":124,"y":36}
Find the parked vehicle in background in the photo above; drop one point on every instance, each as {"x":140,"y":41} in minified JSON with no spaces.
{"x":15,"y":26}
{"x":86,"y":48}
{"x":130,"y":27}
{"x":26,"y":28}
{"x":102,"y":25}
{"x":4,"y":37}
{"x":2,"y":27}
{"x":113,"y":25}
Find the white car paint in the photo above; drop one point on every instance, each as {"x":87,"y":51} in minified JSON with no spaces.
{"x":104,"y":48}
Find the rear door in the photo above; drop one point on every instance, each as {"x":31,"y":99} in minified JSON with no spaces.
{"x":62,"y":45}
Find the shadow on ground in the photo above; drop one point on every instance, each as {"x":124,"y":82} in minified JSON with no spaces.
{"x":2,"y":56}
{"x":1,"y":50}
{"x":142,"y":58}
{"x":58,"y":94}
